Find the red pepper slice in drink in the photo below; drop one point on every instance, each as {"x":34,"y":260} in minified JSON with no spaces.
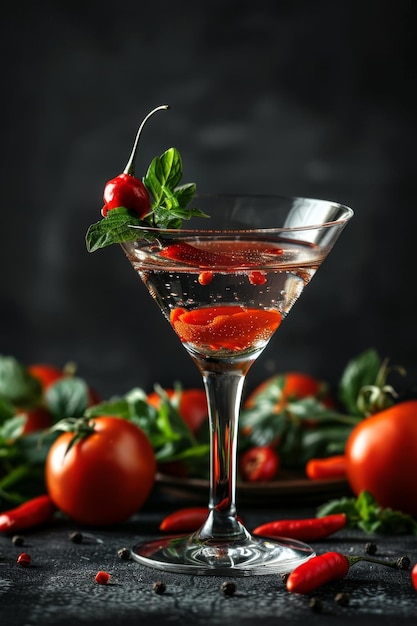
{"x":225,"y":327}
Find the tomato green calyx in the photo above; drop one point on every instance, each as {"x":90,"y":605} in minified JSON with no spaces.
{"x":81,"y":427}
{"x":130,"y":165}
{"x":379,"y":396}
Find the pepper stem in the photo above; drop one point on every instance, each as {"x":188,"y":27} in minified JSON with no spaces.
{"x":130,"y":165}
{"x":400,"y":563}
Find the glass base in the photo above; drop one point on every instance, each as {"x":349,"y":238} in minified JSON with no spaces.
{"x":252,"y":556}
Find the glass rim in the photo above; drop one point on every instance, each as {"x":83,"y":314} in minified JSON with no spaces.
{"x":346,"y":216}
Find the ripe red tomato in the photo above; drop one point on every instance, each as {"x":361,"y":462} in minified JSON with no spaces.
{"x":260,"y":463}
{"x":381,"y":457}
{"x":192,"y":407}
{"x":103,"y":478}
{"x":295,"y":386}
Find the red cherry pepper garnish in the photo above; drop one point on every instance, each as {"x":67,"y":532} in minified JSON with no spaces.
{"x":126,"y":190}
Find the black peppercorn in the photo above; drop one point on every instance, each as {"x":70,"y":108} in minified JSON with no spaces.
{"x":315,"y":604}
{"x":159,"y":587}
{"x":124,"y":554}
{"x":371,"y":548}
{"x":76,"y":537}
{"x":18,"y":540}
{"x":228,"y":587}
{"x":403,"y":562}
{"x":342,"y":598}
{"x":284,"y":577}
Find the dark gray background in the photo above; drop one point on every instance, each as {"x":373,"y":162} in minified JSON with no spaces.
{"x":306,"y":98}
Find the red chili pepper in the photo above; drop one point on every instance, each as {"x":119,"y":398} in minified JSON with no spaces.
{"x":309,"y":529}
{"x":318,"y":571}
{"x":31,"y":513}
{"x":330,"y":467}
{"x":184,"y":520}
{"x":331,"y":566}
{"x":102,"y":578}
{"x":126,"y":190}
{"x":414,"y":576}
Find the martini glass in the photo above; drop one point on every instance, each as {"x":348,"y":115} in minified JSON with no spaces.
{"x":225,"y":284}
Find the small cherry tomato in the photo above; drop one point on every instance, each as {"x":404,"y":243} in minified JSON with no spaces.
{"x":104,"y":477}
{"x":260,"y":463}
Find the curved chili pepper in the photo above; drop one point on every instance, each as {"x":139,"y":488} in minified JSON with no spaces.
{"x":318,"y":571}
{"x":31,"y":513}
{"x":331,"y":566}
{"x":330,"y":467}
{"x":309,"y":529}
{"x":184,"y":520}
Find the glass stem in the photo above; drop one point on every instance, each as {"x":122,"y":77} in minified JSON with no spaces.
{"x":224,"y":393}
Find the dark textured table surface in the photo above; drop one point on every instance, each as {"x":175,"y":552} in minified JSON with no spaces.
{"x":59,"y":587}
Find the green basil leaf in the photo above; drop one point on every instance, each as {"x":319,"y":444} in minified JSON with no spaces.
{"x":360,"y":371}
{"x":17,"y":386}
{"x":68,"y":397}
{"x":115,"y":228}
{"x":185,"y":194}
{"x":365,"y":514}
{"x":164,"y":173}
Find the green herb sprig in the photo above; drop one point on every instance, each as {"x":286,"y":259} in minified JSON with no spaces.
{"x":169,"y":200}
{"x":364,"y":513}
